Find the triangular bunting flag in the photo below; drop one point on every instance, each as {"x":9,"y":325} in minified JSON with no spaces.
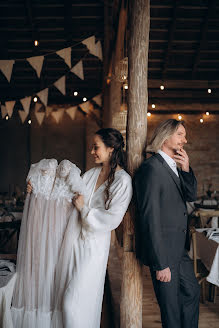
{"x":36,"y":63}
{"x":43,"y":95}
{"x":3,"y":111}
{"x":85,"y":106}
{"x":57,"y":115}
{"x":10,"y":107}
{"x":78,"y":70}
{"x":39,"y":117}
{"x":60,"y":84}
{"x":23,"y":115}
{"x":6,"y":67}
{"x":90,"y":43}
{"x":66,"y":55}
{"x":48,"y":110}
{"x":37,"y":107}
{"x":72,"y":112}
{"x":98,"y":100}
{"x":97,"y":51}
{"x":26,"y":104}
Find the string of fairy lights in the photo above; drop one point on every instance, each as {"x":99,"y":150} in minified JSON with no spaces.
{"x":179,"y":116}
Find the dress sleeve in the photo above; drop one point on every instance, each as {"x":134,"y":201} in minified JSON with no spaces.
{"x":102,"y":220}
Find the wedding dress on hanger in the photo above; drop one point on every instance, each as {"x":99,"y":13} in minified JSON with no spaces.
{"x":49,"y":224}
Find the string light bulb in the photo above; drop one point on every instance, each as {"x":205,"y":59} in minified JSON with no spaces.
{"x":149,"y":114}
{"x":209,"y":90}
{"x":6,"y":117}
{"x":29,"y":121}
{"x":84,"y":99}
{"x":153,"y":106}
{"x":35,"y":99}
{"x":179,"y":117}
{"x":207,"y":113}
{"x":36,"y":43}
{"x":75,"y":93}
{"x":162,"y":87}
{"x":125,"y":86}
{"x":201,"y":120}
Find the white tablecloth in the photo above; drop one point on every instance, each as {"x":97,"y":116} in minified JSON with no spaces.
{"x":6,"y":291}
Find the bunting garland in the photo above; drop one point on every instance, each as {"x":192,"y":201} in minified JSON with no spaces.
{"x":60,"y":84}
{"x":37,"y":107}
{"x":57,"y":115}
{"x":98,"y":100}
{"x":94,"y":48}
{"x":71,"y":112}
{"x":85,"y":106}
{"x":66,"y":55}
{"x":23,"y":115}
{"x":6,"y":66}
{"x":43,"y":95}
{"x":78,"y":70}
{"x":3,"y":111}
{"x":36,"y":63}
{"x":26,"y":104}
{"x":10,"y":107}
{"x":48,"y":111}
{"x":40,"y":117}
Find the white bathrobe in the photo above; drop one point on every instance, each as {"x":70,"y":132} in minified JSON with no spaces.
{"x":82,"y":302}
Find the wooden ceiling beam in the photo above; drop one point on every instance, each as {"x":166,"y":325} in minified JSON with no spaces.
{"x":203,"y":38}
{"x":183,"y":84}
{"x":183,"y":94}
{"x":68,"y":23}
{"x":172,"y":30}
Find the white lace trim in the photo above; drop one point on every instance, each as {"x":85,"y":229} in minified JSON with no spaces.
{"x":55,"y":181}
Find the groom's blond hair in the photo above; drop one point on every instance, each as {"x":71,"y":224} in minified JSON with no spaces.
{"x":162,"y":133}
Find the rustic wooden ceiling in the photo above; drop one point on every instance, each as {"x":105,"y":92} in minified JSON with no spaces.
{"x":183,"y":55}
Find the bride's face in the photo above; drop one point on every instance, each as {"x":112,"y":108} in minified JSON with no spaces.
{"x":100,"y":152}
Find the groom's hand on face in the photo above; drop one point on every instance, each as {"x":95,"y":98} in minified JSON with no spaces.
{"x":164,"y":275}
{"x":182,"y":159}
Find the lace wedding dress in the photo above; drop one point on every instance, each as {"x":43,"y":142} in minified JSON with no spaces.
{"x":49,"y":225}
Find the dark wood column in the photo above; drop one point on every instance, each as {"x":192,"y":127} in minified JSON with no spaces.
{"x":131,"y":294}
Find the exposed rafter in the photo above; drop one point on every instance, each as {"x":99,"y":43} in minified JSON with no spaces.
{"x":31,"y":23}
{"x":172,"y":29}
{"x":203,"y":39}
{"x":68,"y":23}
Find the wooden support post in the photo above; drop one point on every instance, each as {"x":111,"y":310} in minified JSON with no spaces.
{"x":131,"y":293}
{"x":117,"y":55}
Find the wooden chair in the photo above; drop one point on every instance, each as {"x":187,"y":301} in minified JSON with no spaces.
{"x":200,"y":270}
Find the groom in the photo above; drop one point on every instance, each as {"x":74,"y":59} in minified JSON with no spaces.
{"x":162,"y":191}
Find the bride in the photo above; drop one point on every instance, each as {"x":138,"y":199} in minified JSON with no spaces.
{"x":109,"y":192}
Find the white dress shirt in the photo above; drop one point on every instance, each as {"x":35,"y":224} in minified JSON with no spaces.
{"x":169,"y":161}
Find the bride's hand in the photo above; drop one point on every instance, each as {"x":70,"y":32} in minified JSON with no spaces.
{"x":29,"y":187}
{"x":78,"y":201}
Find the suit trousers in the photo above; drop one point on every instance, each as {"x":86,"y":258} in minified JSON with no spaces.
{"x":179,"y":298}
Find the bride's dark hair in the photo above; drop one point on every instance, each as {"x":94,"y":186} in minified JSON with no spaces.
{"x":112,"y":138}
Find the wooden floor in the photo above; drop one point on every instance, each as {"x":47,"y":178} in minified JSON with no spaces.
{"x":209,"y":312}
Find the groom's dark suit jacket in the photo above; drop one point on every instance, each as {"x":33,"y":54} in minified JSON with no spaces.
{"x":162,"y":222}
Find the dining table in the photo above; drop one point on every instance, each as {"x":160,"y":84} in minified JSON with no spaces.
{"x":207,"y":248}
